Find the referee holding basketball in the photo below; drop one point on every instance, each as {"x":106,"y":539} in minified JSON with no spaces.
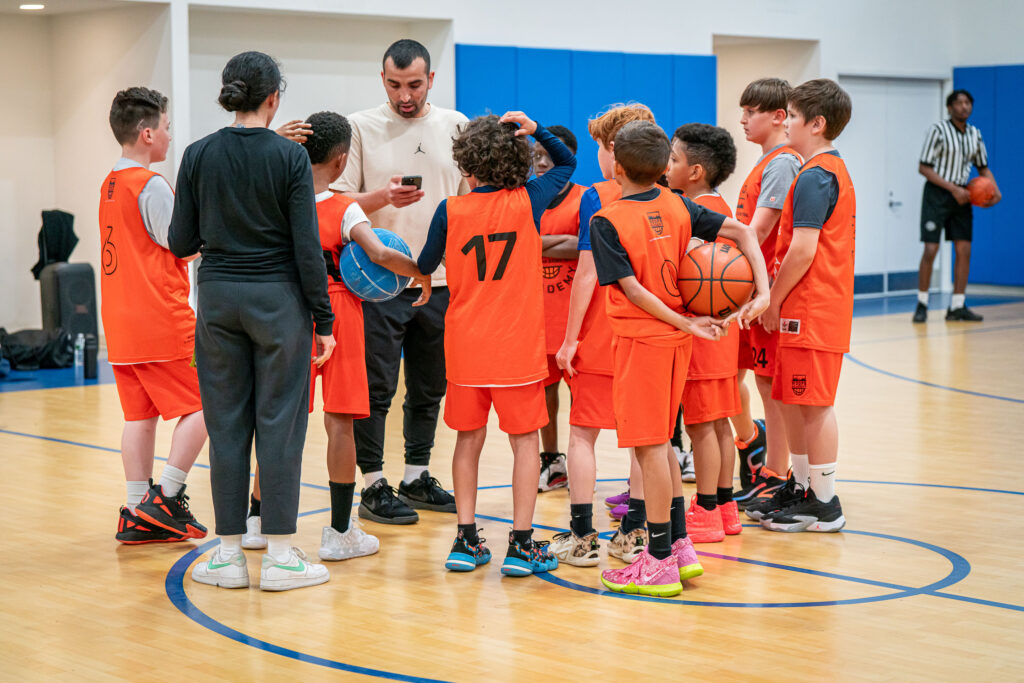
{"x":400,"y":167}
{"x":950,"y":148}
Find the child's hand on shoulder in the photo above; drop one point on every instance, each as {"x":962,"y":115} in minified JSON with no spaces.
{"x":527,"y":126}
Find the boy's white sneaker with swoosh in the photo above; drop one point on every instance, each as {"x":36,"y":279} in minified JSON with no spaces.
{"x":219,"y":570}
{"x":295,"y":572}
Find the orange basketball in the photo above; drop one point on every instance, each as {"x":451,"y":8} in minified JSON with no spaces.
{"x":982,"y":191}
{"x":715,"y":279}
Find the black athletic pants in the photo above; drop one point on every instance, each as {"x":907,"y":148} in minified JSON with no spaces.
{"x":393,"y":329}
{"x":253,"y":346}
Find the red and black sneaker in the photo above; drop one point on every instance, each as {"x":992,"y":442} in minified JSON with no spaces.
{"x":133,"y":531}
{"x":169,"y":513}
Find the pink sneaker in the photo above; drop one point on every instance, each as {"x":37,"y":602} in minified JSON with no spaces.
{"x":686,"y":559}
{"x":618,"y":499}
{"x":646,"y":576}
{"x":730,"y":518}
{"x":619,"y":511}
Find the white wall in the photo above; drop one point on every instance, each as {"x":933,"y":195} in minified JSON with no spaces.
{"x":26,"y":162}
{"x":988,"y":33}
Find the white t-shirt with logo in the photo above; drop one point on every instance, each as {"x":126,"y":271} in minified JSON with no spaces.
{"x":385,"y":144}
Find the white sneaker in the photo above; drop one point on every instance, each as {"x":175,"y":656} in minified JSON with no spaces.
{"x":575,"y":550}
{"x":553,"y":472}
{"x":296,"y":572}
{"x":355,"y":542}
{"x":253,"y":538}
{"x":226,"y":572}
{"x":685,"y":459}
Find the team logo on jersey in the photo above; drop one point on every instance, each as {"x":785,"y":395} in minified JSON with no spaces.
{"x":654,"y":220}
{"x":551,"y":272}
{"x":110,"y":189}
{"x":560,"y":282}
{"x":789,"y":326}
{"x":799,"y":385}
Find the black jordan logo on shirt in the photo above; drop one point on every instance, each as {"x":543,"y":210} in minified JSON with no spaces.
{"x":419,"y":149}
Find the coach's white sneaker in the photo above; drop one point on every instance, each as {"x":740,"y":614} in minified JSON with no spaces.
{"x":335,"y":545}
{"x":253,"y":538}
{"x":295,"y":572}
{"x":224,"y":571}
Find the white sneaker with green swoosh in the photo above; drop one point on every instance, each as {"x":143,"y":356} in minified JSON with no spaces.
{"x":226,"y":572}
{"x":295,"y":572}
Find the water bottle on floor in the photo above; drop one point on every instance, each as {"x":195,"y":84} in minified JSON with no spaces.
{"x":80,"y":357}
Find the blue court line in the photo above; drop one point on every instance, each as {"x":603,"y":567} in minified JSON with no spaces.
{"x":932,"y":384}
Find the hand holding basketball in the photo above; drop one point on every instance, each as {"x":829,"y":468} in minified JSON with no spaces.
{"x":527,"y":126}
{"x":983,"y":192}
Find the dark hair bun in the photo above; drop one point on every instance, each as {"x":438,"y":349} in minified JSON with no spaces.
{"x":233,"y":95}
{"x":248,"y":80}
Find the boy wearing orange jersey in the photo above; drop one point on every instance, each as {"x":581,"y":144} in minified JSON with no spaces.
{"x":149,"y":326}
{"x":343,"y":376}
{"x":764,"y":453}
{"x":585,"y":355}
{"x":494,"y":327}
{"x":559,"y":230}
{"x":812,"y":305}
{"x":637,"y":239}
{"x":702,"y":158}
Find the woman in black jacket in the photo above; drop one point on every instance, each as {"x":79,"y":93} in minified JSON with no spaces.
{"x":245,"y":200}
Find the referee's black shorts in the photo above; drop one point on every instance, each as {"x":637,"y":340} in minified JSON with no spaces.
{"x":939,"y":210}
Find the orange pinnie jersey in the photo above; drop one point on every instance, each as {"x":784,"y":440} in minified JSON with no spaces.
{"x":818,"y":313}
{"x":747,"y":203}
{"x":329,"y":215}
{"x":715,"y":359}
{"x":494,"y":328}
{"x":563,"y":219}
{"x":655,"y":234}
{"x":146,"y":316}
{"x":594,"y":354}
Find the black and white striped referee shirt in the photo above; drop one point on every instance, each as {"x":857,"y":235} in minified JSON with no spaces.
{"x":951,"y":152}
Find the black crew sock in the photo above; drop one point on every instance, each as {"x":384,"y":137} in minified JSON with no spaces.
{"x":708,"y":501}
{"x":469,"y":533}
{"x":523,"y":537}
{"x":724,"y":496}
{"x":677,"y":435}
{"x":582,"y":518}
{"x":660,"y":535}
{"x":677,"y":515}
{"x":341,"y":505}
{"x":254,"y":506}
{"x":636,"y":516}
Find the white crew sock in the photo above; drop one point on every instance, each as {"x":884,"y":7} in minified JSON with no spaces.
{"x":957,"y":301}
{"x":172,"y":480}
{"x":279,"y":546}
{"x":135,"y":491}
{"x":922,"y":298}
{"x":801,"y":469}
{"x":413,"y":472}
{"x":230,"y":546}
{"x":823,"y":481}
{"x":372,"y":478}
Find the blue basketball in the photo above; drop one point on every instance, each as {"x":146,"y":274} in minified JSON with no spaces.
{"x":366,"y":279}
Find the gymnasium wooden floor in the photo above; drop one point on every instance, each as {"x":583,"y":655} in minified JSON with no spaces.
{"x":924,"y":583}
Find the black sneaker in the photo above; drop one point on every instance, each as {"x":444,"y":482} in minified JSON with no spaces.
{"x":378,"y":503}
{"x":553,"y":472}
{"x":921,"y":313}
{"x":168,"y":513}
{"x":465,"y":556}
{"x":963,"y":314}
{"x":133,"y":531}
{"x":752,"y":454}
{"x":425,"y":493}
{"x":762,"y":487}
{"x":784,"y":496}
{"x":807,"y":514}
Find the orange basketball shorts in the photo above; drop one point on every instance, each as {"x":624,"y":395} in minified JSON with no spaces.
{"x":520,"y":409}
{"x":169,"y":389}
{"x":592,"y":402}
{"x":762,"y":348}
{"x":745,"y":361}
{"x":707,"y":400}
{"x":343,"y":377}
{"x":647,"y":389}
{"x":806,"y":377}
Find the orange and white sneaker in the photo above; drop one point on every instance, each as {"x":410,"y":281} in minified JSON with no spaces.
{"x":730,"y":513}
{"x":704,"y":526}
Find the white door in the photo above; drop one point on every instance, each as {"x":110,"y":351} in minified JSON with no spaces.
{"x":882,"y":145}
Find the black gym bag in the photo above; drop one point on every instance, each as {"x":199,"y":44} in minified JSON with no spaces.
{"x":37,"y":349}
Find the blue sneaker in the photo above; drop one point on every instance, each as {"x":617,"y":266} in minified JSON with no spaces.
{"x":466,"y":557}
{"x":522,"y":561}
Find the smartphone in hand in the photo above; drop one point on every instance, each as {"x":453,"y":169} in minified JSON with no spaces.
{"x":415,"y":180}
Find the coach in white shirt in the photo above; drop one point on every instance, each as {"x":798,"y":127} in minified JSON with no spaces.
{"x":406,"y":136}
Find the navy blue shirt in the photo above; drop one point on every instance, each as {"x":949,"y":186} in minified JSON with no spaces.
{"x":541,"y":191}
{"x":814,"y":197}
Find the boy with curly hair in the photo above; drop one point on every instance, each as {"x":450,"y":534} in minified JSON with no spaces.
{"x":494,"y":328}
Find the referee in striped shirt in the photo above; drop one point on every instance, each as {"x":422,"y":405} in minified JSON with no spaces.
{"x":950,"y":148}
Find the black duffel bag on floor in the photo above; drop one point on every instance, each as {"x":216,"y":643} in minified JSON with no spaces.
{"x":37,"y":349}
